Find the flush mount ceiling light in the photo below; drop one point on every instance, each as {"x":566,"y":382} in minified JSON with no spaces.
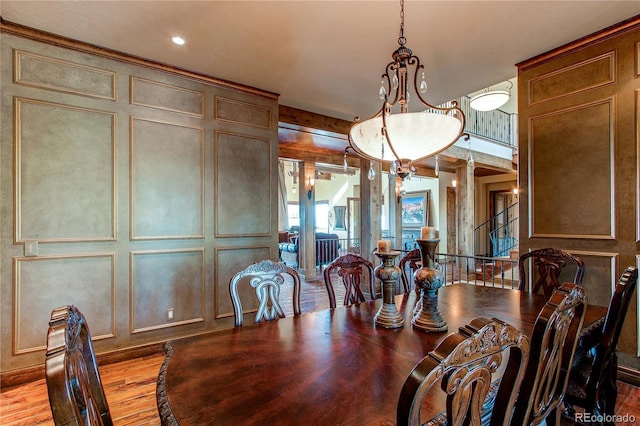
{"x":402,"y":137}
{"x":491,"y":99}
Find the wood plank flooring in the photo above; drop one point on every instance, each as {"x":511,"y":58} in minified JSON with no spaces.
{"x":130,"y":385}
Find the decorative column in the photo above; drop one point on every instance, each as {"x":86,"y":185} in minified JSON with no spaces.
{"x":394,"y":209}
{"x":371,"y":208}
{"x":306,"y":239}
{"x":466,"y":213}
{"x":388,"y":315}
{"x":428,"y":279}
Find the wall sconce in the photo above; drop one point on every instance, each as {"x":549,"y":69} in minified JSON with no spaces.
{"x":454,"y":183}
{"x":516,"y":191}
{"x":310,"y":191}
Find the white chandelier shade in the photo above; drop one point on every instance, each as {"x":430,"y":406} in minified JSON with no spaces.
{"x":402,"y":137}
{"x":412,"y":135}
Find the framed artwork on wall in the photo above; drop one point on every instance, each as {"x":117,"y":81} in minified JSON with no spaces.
{"x":415,"y":209}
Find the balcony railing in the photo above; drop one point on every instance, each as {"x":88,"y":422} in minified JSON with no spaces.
{"x":495,"y":125}
{"x":327,"y":250}
{"x":478,"y":270}
{"x":474,"y":270}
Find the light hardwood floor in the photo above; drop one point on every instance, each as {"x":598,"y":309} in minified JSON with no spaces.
{"x":130,"y":385}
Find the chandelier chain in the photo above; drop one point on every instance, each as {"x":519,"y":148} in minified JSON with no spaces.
{"x":401,"y":39}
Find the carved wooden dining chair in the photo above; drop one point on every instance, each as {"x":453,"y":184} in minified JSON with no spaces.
{"x":547,"y":263}
{"x":354,"y":270}
{"x":75,"y":391}
{"x":592,"y":381}
{"x":474,"y":370}
{"x":408,"y":265}
{"x":553,"y":344}
{"x":267,"y":278}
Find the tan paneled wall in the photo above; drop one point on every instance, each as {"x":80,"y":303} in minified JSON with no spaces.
{"x":64,"y":172}
{"x":139,"y":189}
{"x":578,"y":161}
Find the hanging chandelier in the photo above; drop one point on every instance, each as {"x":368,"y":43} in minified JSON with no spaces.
{"x":396,"y":135}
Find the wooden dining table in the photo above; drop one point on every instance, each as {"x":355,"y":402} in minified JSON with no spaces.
{"x":331,"y":367}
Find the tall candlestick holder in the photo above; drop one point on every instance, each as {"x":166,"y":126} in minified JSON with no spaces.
{"x":428,"y":279}
{"x":388,"y":315}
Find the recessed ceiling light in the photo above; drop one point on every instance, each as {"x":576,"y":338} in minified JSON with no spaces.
{"x":178,"y":40}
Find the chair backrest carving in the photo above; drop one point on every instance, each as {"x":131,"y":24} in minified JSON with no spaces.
{"x":553,"y":344}
{"x":75,"y":390}
{"x":410,"y":261}
{"x":266,"y":277}
{"x":547,"y":264}
{"x":352,"y":269}
{"x":466,"y":366}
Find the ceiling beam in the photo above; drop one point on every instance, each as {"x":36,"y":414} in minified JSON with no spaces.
{"x":311,"y":120}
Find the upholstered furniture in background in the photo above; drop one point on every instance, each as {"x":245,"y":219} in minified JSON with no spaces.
{"x":327,"y":249}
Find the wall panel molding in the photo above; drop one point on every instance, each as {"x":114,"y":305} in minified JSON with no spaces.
{"x":53,"y":201}
{"x":571,"y":80}
{"x":240,"y":164}
{"x":637,"y":138}
{"x":49,"y":73}
{"x":167,"y":180}
{"x":166,"y":279}
{"x":154,"y":94}
{"x":602,"y":277}
{"x":567,"y":201}
{"x":239,"y":112}
{"x":44,"y":283}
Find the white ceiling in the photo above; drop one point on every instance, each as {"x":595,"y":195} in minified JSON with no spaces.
{"x":328,"y":56}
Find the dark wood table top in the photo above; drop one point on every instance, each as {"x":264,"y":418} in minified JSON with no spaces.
{"x":327,"y":367}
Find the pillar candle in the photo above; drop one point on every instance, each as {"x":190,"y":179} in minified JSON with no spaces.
{"x":428,"y":233}
{"x":384,"y":245}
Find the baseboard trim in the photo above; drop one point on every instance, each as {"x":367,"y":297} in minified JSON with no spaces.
{"x":629,"y":375}
{"x":21,"y":376}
